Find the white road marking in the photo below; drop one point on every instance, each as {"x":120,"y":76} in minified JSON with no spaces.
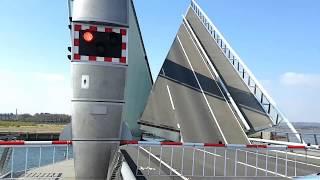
{"x":204,"y":96}
{"x":147,"y":168}
{"x":165,"y":164}
{"x":246,"y":125}
{"x":171,"y":101}
{"x":209,"y":153}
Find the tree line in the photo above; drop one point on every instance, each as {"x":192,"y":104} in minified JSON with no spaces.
{"x":39,"y":118}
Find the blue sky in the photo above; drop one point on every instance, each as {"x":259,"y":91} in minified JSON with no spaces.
{"x":278,"y":40}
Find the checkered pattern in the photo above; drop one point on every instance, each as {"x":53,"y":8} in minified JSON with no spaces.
{"x":77,"y":57}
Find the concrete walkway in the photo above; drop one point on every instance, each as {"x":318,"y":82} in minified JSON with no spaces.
{"x":60,"y":170}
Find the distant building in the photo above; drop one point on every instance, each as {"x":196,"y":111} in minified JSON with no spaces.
{"x":8,"y":116}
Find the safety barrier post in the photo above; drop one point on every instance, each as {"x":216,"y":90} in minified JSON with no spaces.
{"x":40,"y":154}
{"x":246,"y":168}
{"x":256,"y":174}
{"x":295,"y":166}
{"x":276,"y":166}
{"x":267,"y":152}
{"x":67,"y":156}
{"x":26,"y":163}
{"x":138,"y":150}
{"x":204,"y":161}
{"x":171,"y":158}
{"x":149,"y":160}
{"x":194,"y":149}
{"x":54,"y":154}
{"x":12,"y":161}
{"x":315,"y":139}
{"x":286,"y":168}
{"x":160,"y":161}
{"x":225,"y":163}
{"x":214,"y":162}
{"x":182,"y":161}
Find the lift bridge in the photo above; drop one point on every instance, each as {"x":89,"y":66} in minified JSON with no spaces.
{"x":200,"y":112}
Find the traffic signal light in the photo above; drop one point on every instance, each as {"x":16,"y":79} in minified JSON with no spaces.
{"x":103,"y":44}
{"x":88,"y":36}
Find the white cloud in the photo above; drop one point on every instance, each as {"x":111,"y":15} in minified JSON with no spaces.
{"x":296,"y":94}
{"x":300,"y":79}
{"x":33,"y":92}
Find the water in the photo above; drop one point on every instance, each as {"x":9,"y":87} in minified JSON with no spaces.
{"x":309,"y":131}
{"x":31,"y":157}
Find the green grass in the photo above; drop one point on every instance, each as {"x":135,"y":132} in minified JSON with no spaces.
{"x":15,"y":123}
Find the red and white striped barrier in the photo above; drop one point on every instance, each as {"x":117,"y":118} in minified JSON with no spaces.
{"x":165,"y":143}
{"x":13,"y":143}
{"x":236,"y":146}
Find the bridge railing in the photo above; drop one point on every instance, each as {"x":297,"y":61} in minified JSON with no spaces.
{"x":28,"y":155}
{"x":173,"y":159}
{"x":243,"y":71}
{"x":312,"y":138}
{"x":186,"y":160}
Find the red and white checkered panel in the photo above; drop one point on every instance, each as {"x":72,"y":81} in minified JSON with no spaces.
{"x":77,"y":57}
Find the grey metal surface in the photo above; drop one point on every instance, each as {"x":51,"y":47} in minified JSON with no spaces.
{"x":104,"y":83}
{"x":139,"y":80}
{"x":221,"y":108}
{"x":158,"y":109}
{"x":96,"y":120}
{"x":101,"y":11}
{"x":191,"y":110}
{"x":98,"y":94}
{"x":191,"y":107}
{"x":92,"y":159}
{"x":247,"y":103}
{"x":169,"y":134}
{"x":66,"y":133}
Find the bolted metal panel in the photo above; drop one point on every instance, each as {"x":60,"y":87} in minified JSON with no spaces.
{"x":139,"y":79}
{"x":98,"y":82}
{"x":101,"y":11}
{"x":96,"y":120}
{"x":92,"y":159}
{"x":98,"y":87}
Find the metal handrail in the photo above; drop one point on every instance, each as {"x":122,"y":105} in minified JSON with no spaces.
{"x":4,"y":161}
{"x":301,"y":134}
{"x":246,"y":75}
{"x":42,"y":153}
{"x":274,"y":142}
{"x":185,"y":161}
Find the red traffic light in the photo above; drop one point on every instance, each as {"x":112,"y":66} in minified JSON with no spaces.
{"x":88,"y":36}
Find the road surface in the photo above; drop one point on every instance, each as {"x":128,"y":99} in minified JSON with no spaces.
{"x":246,"y":101}
{"x":187,"y":97}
